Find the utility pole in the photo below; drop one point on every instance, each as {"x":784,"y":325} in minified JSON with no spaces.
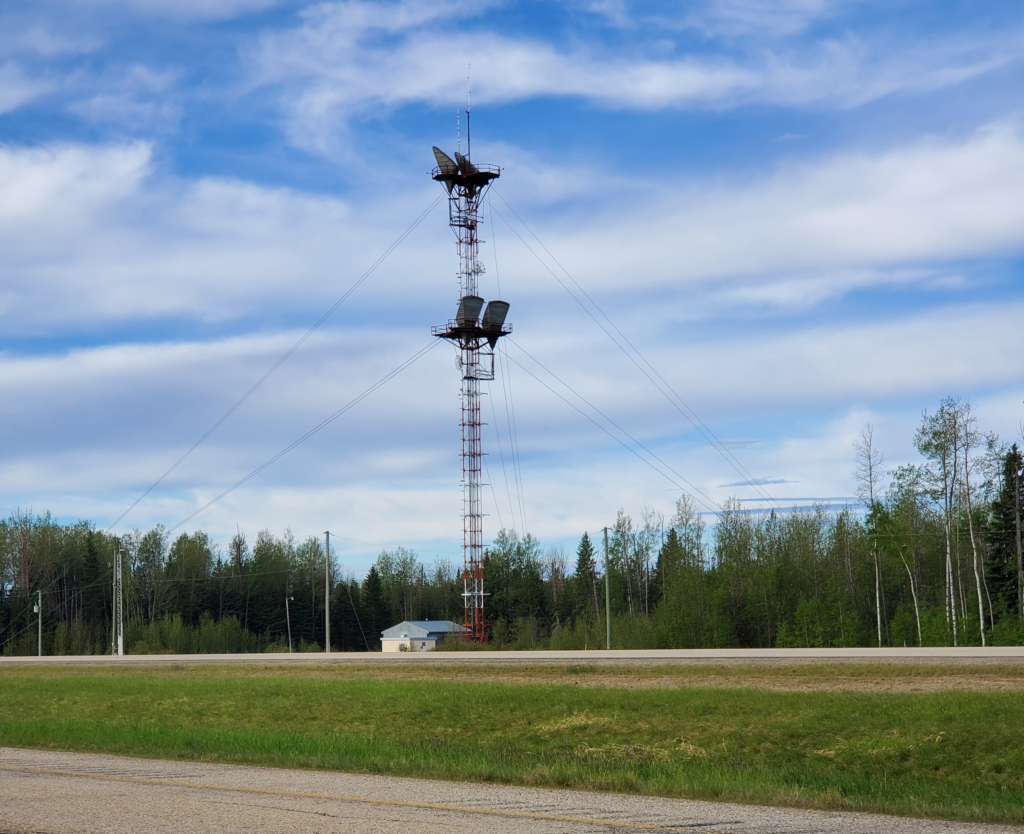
{"x":113,"y":609}
{"x":327,"y":591}
{"x":1017,"y":472}
{"x":607,"y":596}
{"x":39,"y":610}
{"x":288,"y":619}
{"x":117,"y":639}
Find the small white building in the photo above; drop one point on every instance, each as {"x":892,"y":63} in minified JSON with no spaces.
{"x":417,"y":635}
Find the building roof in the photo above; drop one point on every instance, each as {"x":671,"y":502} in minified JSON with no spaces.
{"x":415,"y":629}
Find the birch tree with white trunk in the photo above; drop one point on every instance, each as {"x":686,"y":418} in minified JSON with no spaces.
{"x":936,"y":440}
{"x":969,"y":438}
{"x":869,"y":476}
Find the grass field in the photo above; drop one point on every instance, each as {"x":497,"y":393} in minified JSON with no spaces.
{"x":918,"y":740}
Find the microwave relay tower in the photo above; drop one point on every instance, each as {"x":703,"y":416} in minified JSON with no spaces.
{"x":475,"y":338}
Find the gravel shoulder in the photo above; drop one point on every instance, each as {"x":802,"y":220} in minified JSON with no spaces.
{"x":81,"y":793}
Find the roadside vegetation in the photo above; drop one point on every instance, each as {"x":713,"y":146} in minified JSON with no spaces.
{"x":805,"y":736}
{"x":931,"y":556}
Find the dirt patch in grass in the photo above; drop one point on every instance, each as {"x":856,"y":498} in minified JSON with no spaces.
{"x":778,"y":677}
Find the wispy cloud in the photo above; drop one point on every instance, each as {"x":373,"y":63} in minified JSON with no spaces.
{"x":216,"y":249}
{"x":135,"y":96}
{"x":180,"y":9}
{"x":762,"y":18}
{"x":96,"y":234}
{"x":820,"y":227}
{"x":42,"y":39}
{"x":18,"y":88}
{"x":345,"y":59}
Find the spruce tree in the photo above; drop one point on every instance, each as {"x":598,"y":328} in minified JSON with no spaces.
{"x":586,"y":581}
{"x":377,"y":615}
{"x":1004,"y":529}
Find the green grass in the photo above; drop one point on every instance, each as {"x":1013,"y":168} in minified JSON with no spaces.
{"x":953,"y":754}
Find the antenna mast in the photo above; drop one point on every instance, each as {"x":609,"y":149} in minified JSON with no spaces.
{"x":475,"y":338}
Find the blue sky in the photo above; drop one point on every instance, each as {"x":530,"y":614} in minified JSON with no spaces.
{"x":807,"y":215}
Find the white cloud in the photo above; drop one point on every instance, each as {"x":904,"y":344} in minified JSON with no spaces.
{"x":908,"y":356}
{"x":762,"y":18}
{"x":745,"y":382}
{"x":813,"y":229}
{"x":109,"y":420}
{"x":61,"y":187}
{"x":346,"y":59}
{"x":90,"y":428}
{"x":43,"y":40}
{"x":184,"y":9}
{"x":135,"y":95}
{"x":17,"y":88}
{"x":615,"y":12}
{"x":97,"y":234}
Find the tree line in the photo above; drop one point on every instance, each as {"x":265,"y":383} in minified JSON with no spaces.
{"x":932,"y":556}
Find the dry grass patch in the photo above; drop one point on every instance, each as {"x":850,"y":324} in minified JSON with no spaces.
{"x":777,"y":676}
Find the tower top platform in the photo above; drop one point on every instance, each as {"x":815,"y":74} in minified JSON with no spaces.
{"x":461,"y":172}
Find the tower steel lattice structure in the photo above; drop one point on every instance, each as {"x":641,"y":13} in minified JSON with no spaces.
{"x":475,"y":337}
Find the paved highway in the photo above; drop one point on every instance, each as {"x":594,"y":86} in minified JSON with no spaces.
{"x":44,"y":792}
{"x":992,"y":654}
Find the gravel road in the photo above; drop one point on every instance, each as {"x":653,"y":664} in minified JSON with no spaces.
{"x":80,"y":793}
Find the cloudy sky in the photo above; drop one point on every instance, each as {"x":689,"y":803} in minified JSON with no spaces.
{"x":778,"y":220}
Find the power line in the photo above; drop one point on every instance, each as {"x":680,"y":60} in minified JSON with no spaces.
{"x":355,"y":611}
{"x":501,"y":455}
{"x":46,"y":590}
{"x":322,"y":424}
{"x":497,"y":429}
{"x":707,"y":502}
{"x":497,"y":508}
{"x":387,"y":546}
{"x":668,"y":392}
{"x":509,"y":421}
{"x":517,"y":459}
{"x":283,"y":358}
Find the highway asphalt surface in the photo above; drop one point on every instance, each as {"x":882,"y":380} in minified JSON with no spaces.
{"x":80,"y":793}
{"x":992,"y":654}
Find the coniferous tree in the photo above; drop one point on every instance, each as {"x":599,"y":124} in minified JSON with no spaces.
{"x":1004,"y":536}
{"x":189,"y":565}
{"x":96,"y":577}
{"x":585,"y":591}
{"x":348,"y":631}
{"x":377,"y":613}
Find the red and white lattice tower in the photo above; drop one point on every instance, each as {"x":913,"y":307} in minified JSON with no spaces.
{"x":475,"y":336}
